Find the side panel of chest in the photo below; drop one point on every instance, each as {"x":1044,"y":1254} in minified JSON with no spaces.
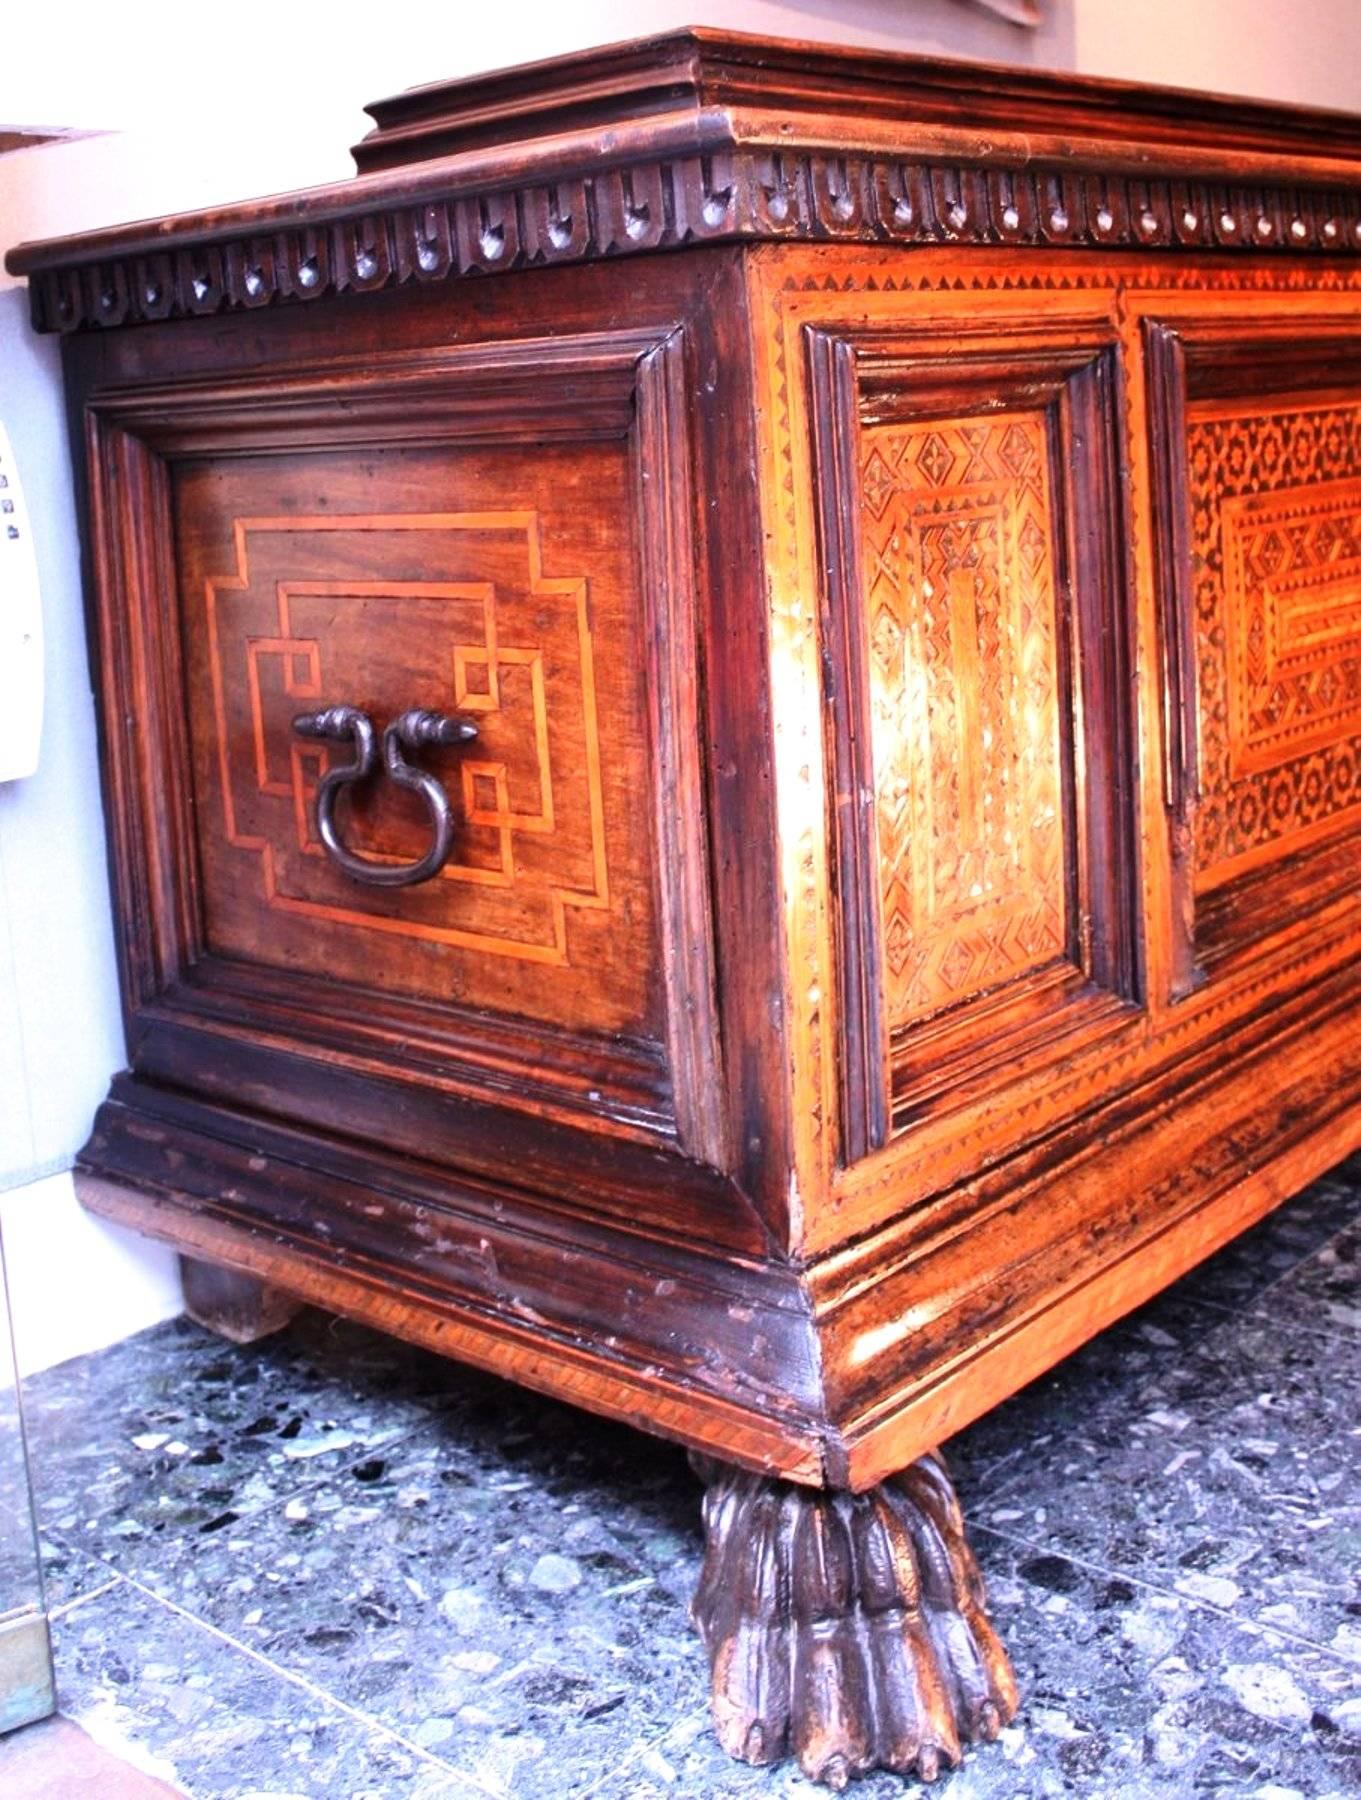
{"x":487,"y":524}
{"x":1064,"y":606}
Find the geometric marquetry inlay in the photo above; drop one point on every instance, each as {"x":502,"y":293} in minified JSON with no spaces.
{"x":961,"y":610}
{"x":279,"y":622}
{"x":493,"y":582}
{"x":1276,"y":546}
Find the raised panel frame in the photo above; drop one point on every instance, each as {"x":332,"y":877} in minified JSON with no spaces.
{"x":865,"y":376}
{"x":180,"y":999}
{"x":1218,"y":929}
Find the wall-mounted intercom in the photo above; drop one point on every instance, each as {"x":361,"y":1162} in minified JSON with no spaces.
{"x":21,"y":629}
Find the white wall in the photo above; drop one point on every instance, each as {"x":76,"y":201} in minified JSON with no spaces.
{"x":1307,"y":51}
{"x":75,"y":1283}
{"x":206,"y":106}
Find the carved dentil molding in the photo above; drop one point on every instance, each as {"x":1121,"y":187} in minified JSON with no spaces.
{"x":749,"y":195}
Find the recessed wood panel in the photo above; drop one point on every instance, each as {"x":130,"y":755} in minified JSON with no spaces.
{"x":961,"y":609}
{"x":311,"y":580}
{"x":986,"y":905}
{"x":1257,"y":440}
{"x":1276,"y":548}
{"x":489,"y":533}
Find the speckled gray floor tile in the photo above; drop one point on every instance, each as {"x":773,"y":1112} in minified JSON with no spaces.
{"x":20,"y":1586}
{"x":70,"y":1575}
{"x":1127,"y":1693}
{"x":174,"y":1433}
{"x":184,"y":1705}
{"x":1131,"y":1692}
{"x":1093,"y":1385}
{"x":1324,"y":1294}
{"x":522,"y":1611}
{"x":466,"y":1584}
{"x":1234,"y":1475}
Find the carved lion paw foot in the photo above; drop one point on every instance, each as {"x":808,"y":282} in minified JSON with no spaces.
{"x":847,"y":1628}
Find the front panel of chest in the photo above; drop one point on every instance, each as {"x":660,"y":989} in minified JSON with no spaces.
{"x":473,"y":584}
{"x":1065,"y":604}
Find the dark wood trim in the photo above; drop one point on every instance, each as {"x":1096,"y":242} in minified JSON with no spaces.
{"x":1165,"y":366}
{"x":1239,"y":919}
{"x":733,"y":196}
{"x":737,"y":76}
{"x":606,"y":1167}
{"x":552,"y":1068}
{"x":834,"y":404}
{"x":737,"y":730}
{"x":1099,"y":614}
{"x":571,"y":387}
{"x":713,"y":1349}
{"x":664,"y":491}
{"x":154,"y":865}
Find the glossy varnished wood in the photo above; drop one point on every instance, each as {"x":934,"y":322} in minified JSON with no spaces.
{"x":977,"y":682}
{"x":704,"y":136}
{"x":1116,"y":1172}
{"x":901,"y":906}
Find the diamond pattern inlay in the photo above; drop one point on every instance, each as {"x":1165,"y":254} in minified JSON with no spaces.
{"x":963,"y":637}
{"x":1276,"y":564}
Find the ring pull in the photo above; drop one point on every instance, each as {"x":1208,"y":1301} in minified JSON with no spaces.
{"x":411,"y":731}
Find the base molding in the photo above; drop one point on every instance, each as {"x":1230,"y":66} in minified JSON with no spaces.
{"x":714,"y":1354}
{"x":834,"y":1373}
{"x":953,"y":1306}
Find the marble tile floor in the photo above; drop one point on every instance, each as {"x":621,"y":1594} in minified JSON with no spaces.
{"x":333,"y":1566}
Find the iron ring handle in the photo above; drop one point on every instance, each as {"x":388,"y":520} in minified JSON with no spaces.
{"x":411,"y":731}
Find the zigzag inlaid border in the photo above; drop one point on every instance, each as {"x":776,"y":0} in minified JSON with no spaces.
{"x":751,"y":195}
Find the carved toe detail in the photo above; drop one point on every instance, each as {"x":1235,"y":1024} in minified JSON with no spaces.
{"x":848,"y":1629}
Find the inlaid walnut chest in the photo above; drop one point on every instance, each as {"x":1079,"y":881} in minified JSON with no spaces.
{"x":731,"y":694}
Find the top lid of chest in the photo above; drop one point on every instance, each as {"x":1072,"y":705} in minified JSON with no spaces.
{"x":748,"y":89}
{"x":702,"y":136}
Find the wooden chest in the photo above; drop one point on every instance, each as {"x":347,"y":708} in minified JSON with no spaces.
{"x":731,"y":694}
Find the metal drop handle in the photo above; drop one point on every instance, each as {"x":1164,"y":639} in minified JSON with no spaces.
{"x":411,"y":731}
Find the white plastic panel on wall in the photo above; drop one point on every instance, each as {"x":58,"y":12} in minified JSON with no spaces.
{"x":75,"y":1283}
